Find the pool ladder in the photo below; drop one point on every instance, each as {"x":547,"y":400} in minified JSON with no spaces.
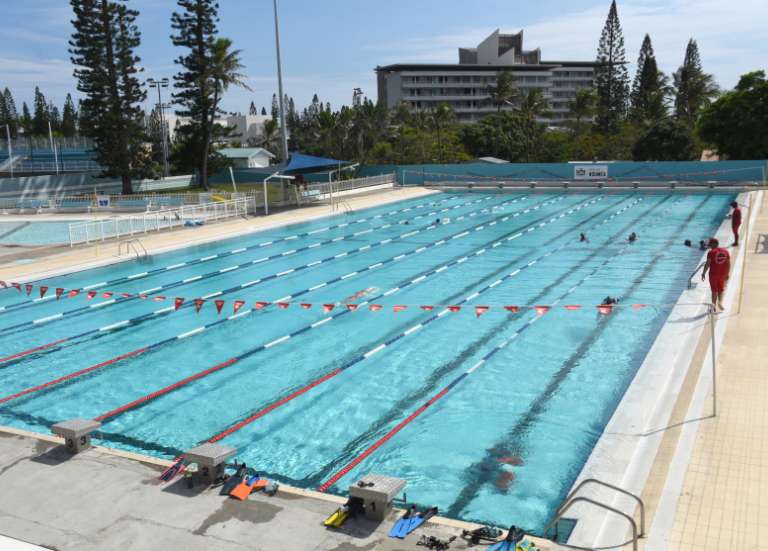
{"x":134,"y":245}
{"x":572,"y":498}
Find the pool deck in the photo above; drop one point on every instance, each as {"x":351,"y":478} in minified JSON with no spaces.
{"x":104,"y":499}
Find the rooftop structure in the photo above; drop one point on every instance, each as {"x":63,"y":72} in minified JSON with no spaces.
{"x":247,"y":157}
{"x":465,"y":86}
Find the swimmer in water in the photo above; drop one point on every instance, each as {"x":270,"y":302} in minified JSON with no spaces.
{"x":632,"y":237}
{"x":583,"y":238}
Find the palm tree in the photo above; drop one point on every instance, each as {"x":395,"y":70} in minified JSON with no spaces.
{"x":442,"y":116}
{"x":270,"y":137}
{"x":224,"y":72}
{"x":533,"y":106}
{"x":505,"y":92}
{"x":582,"y":107}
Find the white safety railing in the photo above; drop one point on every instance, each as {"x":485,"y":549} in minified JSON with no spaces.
{"x":328,"y":188}
{"x":191,"y":215}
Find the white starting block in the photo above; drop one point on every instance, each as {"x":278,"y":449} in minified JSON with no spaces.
{"x":377,"y":492}
{"x":76,"y":433}
{"x":210,"y":459}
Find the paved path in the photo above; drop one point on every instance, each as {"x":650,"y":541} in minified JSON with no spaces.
{"x":724,"y":501}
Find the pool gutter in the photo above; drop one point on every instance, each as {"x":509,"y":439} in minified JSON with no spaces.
{"x":625,"y":453}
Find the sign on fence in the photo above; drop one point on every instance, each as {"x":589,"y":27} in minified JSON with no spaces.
{"x":590,"y":172}
{"x":103,"y":201}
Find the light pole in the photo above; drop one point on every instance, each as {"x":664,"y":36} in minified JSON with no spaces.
{"x":10,"y":147}
{"x":53,"y":148}
{"x":283,"y":133}
{"x":163,"y":83}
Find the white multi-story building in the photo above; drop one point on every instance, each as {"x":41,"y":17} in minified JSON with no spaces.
{"x":245,"y":128}
{"x":464,"y":86}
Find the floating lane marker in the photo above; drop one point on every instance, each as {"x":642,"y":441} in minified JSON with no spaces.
{"x":81,"y":310}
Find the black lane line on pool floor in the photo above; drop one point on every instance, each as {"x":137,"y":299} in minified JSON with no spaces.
{"x":66,"y":380}
{"x":97,"y":307}
{"x":143,"y":401}
{"x":484,"y":471}
{"x":299,"y":390}
{"x":353,"y":448}
{"x":115,"y":327}
{"x":255,"y":246}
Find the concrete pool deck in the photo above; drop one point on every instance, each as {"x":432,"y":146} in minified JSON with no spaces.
{"x":102,"y":499}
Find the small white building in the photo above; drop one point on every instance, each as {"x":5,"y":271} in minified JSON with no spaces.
{"x":245,"y":128}
{"x":247,"y":157}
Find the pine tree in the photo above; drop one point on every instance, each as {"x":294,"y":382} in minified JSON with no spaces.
{"x":196,"y":30}
{"x":41,"y":114}
{"x":102,"y":50}
{"x":611,"y":78}
{"x":208,"y":68}
{"x":8,"y":112}
{"x":54,"y":117}
{"x":275,"y":112}
{"x":694,"y":89}
{"x":263,"y":110}
{"x":648,"y":98}
{"x":69,"y":118}
{"x":253,"y":110}
{"x":26,"y":119}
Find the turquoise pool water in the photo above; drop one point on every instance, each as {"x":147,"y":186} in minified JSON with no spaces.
{"x":503,"y":445}
{"x":34,"y":233}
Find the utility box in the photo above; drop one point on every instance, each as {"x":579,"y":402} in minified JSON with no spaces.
{"x":76,"y":433}
{"x":211,"y":459}
{"x":377,"y":492}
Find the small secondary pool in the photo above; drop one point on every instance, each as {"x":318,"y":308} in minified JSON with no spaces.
{"x":28,"y":233}
{"x":490,"y":415}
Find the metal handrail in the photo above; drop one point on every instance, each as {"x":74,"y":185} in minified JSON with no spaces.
{"x":561,"y":511}
{"x":570,"y":500}
{"x":131,"y":244}
{"x":696,"y":271}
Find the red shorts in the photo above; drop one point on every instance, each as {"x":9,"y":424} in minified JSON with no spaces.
{"x":717,"y":284}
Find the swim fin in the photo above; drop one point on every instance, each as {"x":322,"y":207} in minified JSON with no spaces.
{"x":171,"y":472}
{"x":232,"y":482}
{"x":415,"y":521}
{"x":402,"y":523}
{"x":243,"y":490}
{"x":514,"y":535}
{"x":337,"y":518}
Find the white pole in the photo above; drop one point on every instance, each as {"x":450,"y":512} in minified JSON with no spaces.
{"x":714,"y":359}
{"x":266,"y":203}
{"x":53,"y":147}
{"x":10,"y":147}
{"x":232,"y":176}
{"x":283,"y":131}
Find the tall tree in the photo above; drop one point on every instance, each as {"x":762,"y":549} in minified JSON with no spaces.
{"x":441,"y":117}
{"x":41,"y":114}
{"x":9,"y":115}
{"x":611,"y":77}
{"x":253,"y":110}
{"x":208,"y":68}
{"x":504,"y":91}
{"x":533,"y":106}
{"x":582,"y":107}
{"x":25,"y":121}
{"x":275,"y":109}
{"x":54,"y":117}
{"x":102,"y":50}
{"x":263,"y":110}
{"x":735,"y":123}
{"x":694,"y":89}
{"x":649,"y":90}
{"x":69,"y":118}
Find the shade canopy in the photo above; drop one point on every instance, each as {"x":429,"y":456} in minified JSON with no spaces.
{"x":299,"y":162}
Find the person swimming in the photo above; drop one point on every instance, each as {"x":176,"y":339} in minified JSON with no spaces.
{"x":702,"y":245}
{"x":687,"y":243}
{"x":583,"y":238}
{"x":609,"y":301}
{"x":632,"y":237}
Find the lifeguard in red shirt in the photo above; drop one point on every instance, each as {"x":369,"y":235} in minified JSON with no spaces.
{"x":718,"y":265}
{"x":735,"y":222}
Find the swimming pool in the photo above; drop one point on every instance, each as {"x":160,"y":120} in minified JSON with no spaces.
{"x":28,"y":233}
{"x":315,"y":397}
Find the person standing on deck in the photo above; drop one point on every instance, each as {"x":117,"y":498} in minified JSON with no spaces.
{"x":718,"y":265}
{"x":735,"y":222}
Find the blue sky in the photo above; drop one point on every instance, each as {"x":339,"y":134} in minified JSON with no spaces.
{"x":332,"y":46}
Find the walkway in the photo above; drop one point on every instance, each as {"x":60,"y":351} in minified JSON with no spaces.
{"x":724,"y":499}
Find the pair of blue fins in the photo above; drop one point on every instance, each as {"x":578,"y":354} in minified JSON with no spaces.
{"x":411,"y":520}
{"x":513,"y":542}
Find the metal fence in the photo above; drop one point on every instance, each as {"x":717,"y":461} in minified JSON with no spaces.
{"x":190,"y":215}
{"x":326,"y":189}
